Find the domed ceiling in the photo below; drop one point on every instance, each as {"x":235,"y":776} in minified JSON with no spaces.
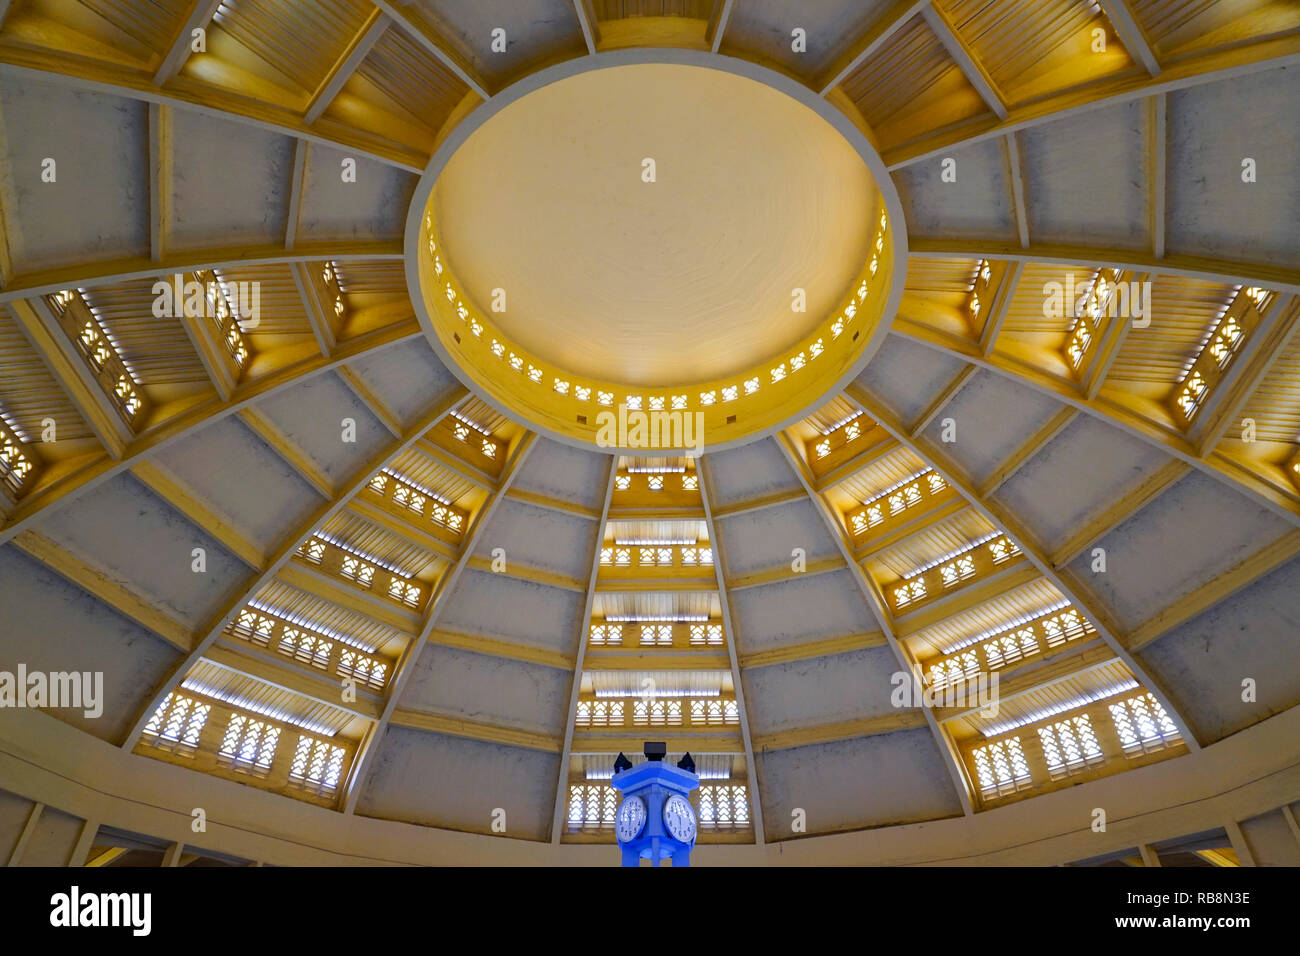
{"x":988,"y":311}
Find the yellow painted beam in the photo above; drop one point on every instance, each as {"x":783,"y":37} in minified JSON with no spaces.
{"x":297,"y":185}
{"x":852,"y":467}
{"x":320,"y":314}
{"x":390,"y":519}
{"x":1282,"y":501}
{"x":1228,"y":271}
{"x":283,"y":554}
{"x":634,"y":657}
{"x":1218,"y":857}
{"x":581,"y":665}
{"x":72,"y":373}
{"x":170,"y":488}
{"x":1003,"y":296}
{"x":69,"y":69}
{"x":160,"y":179}
{"x":279,"y":443}
{"x":459,"y":466}
{"x":6,"y":176}
{"x":306,"y":577}
{"x":25,"y":836}
{"x":1267,"y":343}
{"x":1032,"y":446}
{"x":1077,"y":661}
{"x":1001,"y":518}
{"x":107,"y":856}
{"x":962,"y":599}
{"x":1130,"y":33}
{"x":475,"y":730}
{"x":730,"y":628}
{"x":650,"y":585}
{"x":1098,"y":526}
{"x":366,"y":395}
{"x":975,"y":74}
{"x":522,"y":572}
{"x":759,"y":503}
{"x":1156,"y":121}
{"x":433,"y":42}
{"x":809,"y":649}
{"x":911,"y":719}
{"x":1108,"y":349}
{"x":212,"y":353}
{"x":279,"y":671}
{"x":1221,"y":64}
{"x":357,"y":50}
{"x":550,"y":503}
{"x":1292,"y":824}
{"x":1218,"y":589}
{"x":517,"y":456}
{"x":86,"y":275}
{"x":869,"y":43}
{"x":963,"y":788}
{"x":100,"y":585}
{"x":711,"y":740}
{"x":588,"y":23}
{"x":199,"y":16}
{"x":1149,"y":856}
{"x":718,"y":21}
{"x":782,"y":572}
{"x":942,"y":506}
{"x":495,"y":647}
{"x":80,"y":477}
{"x":941,"y":401}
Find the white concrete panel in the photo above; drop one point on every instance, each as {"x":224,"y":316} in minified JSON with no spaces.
{"x":53,"y":840}
{"x":850,"y":784}
{"x":763,"y":27}
{"x":800,"y":610}
{"x":759,"y":540}
{"x":14,"y":811}
{"x":848,"y":687}
{"x":907,"y":376}
{"x":564,"y":472}
{"x":1193,"y":532}
{"x":371,"y":207}
{"x":50,"y":625}
{"x":1078,"y":473}
{"x":496,"y":605}
{"x":1212,"y":128}
{"x":407,"y":378}
{"x":539,"y":538}
{"x":1072,"y":190}
{"x":142,"y":543}
{"x":229,"y":182}
{"x":994,"y":416}
{"x":976,"y":206}
{"x":311,"y":415}
{"x":453,"y":782}
{"x":234,"y":473}
{"x":751,"y":471}
{"x":98,"y":207}
{"x":492,"y":690}
{"x":1270,"y":840}
{"x":543,"y":28}
{"x":1203,"y":662}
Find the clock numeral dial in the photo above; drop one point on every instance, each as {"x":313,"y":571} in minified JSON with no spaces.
{"x":679,"y":819}
{"x":630,"y":820}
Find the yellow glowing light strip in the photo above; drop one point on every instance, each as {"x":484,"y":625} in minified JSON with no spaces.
{"x":447,"y":299}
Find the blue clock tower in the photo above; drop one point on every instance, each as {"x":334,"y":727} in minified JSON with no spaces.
{"x":655,"y":819}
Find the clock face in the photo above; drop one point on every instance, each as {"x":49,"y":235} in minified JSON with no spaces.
{"x":630,"y":820}
{"x":679,"y":818}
